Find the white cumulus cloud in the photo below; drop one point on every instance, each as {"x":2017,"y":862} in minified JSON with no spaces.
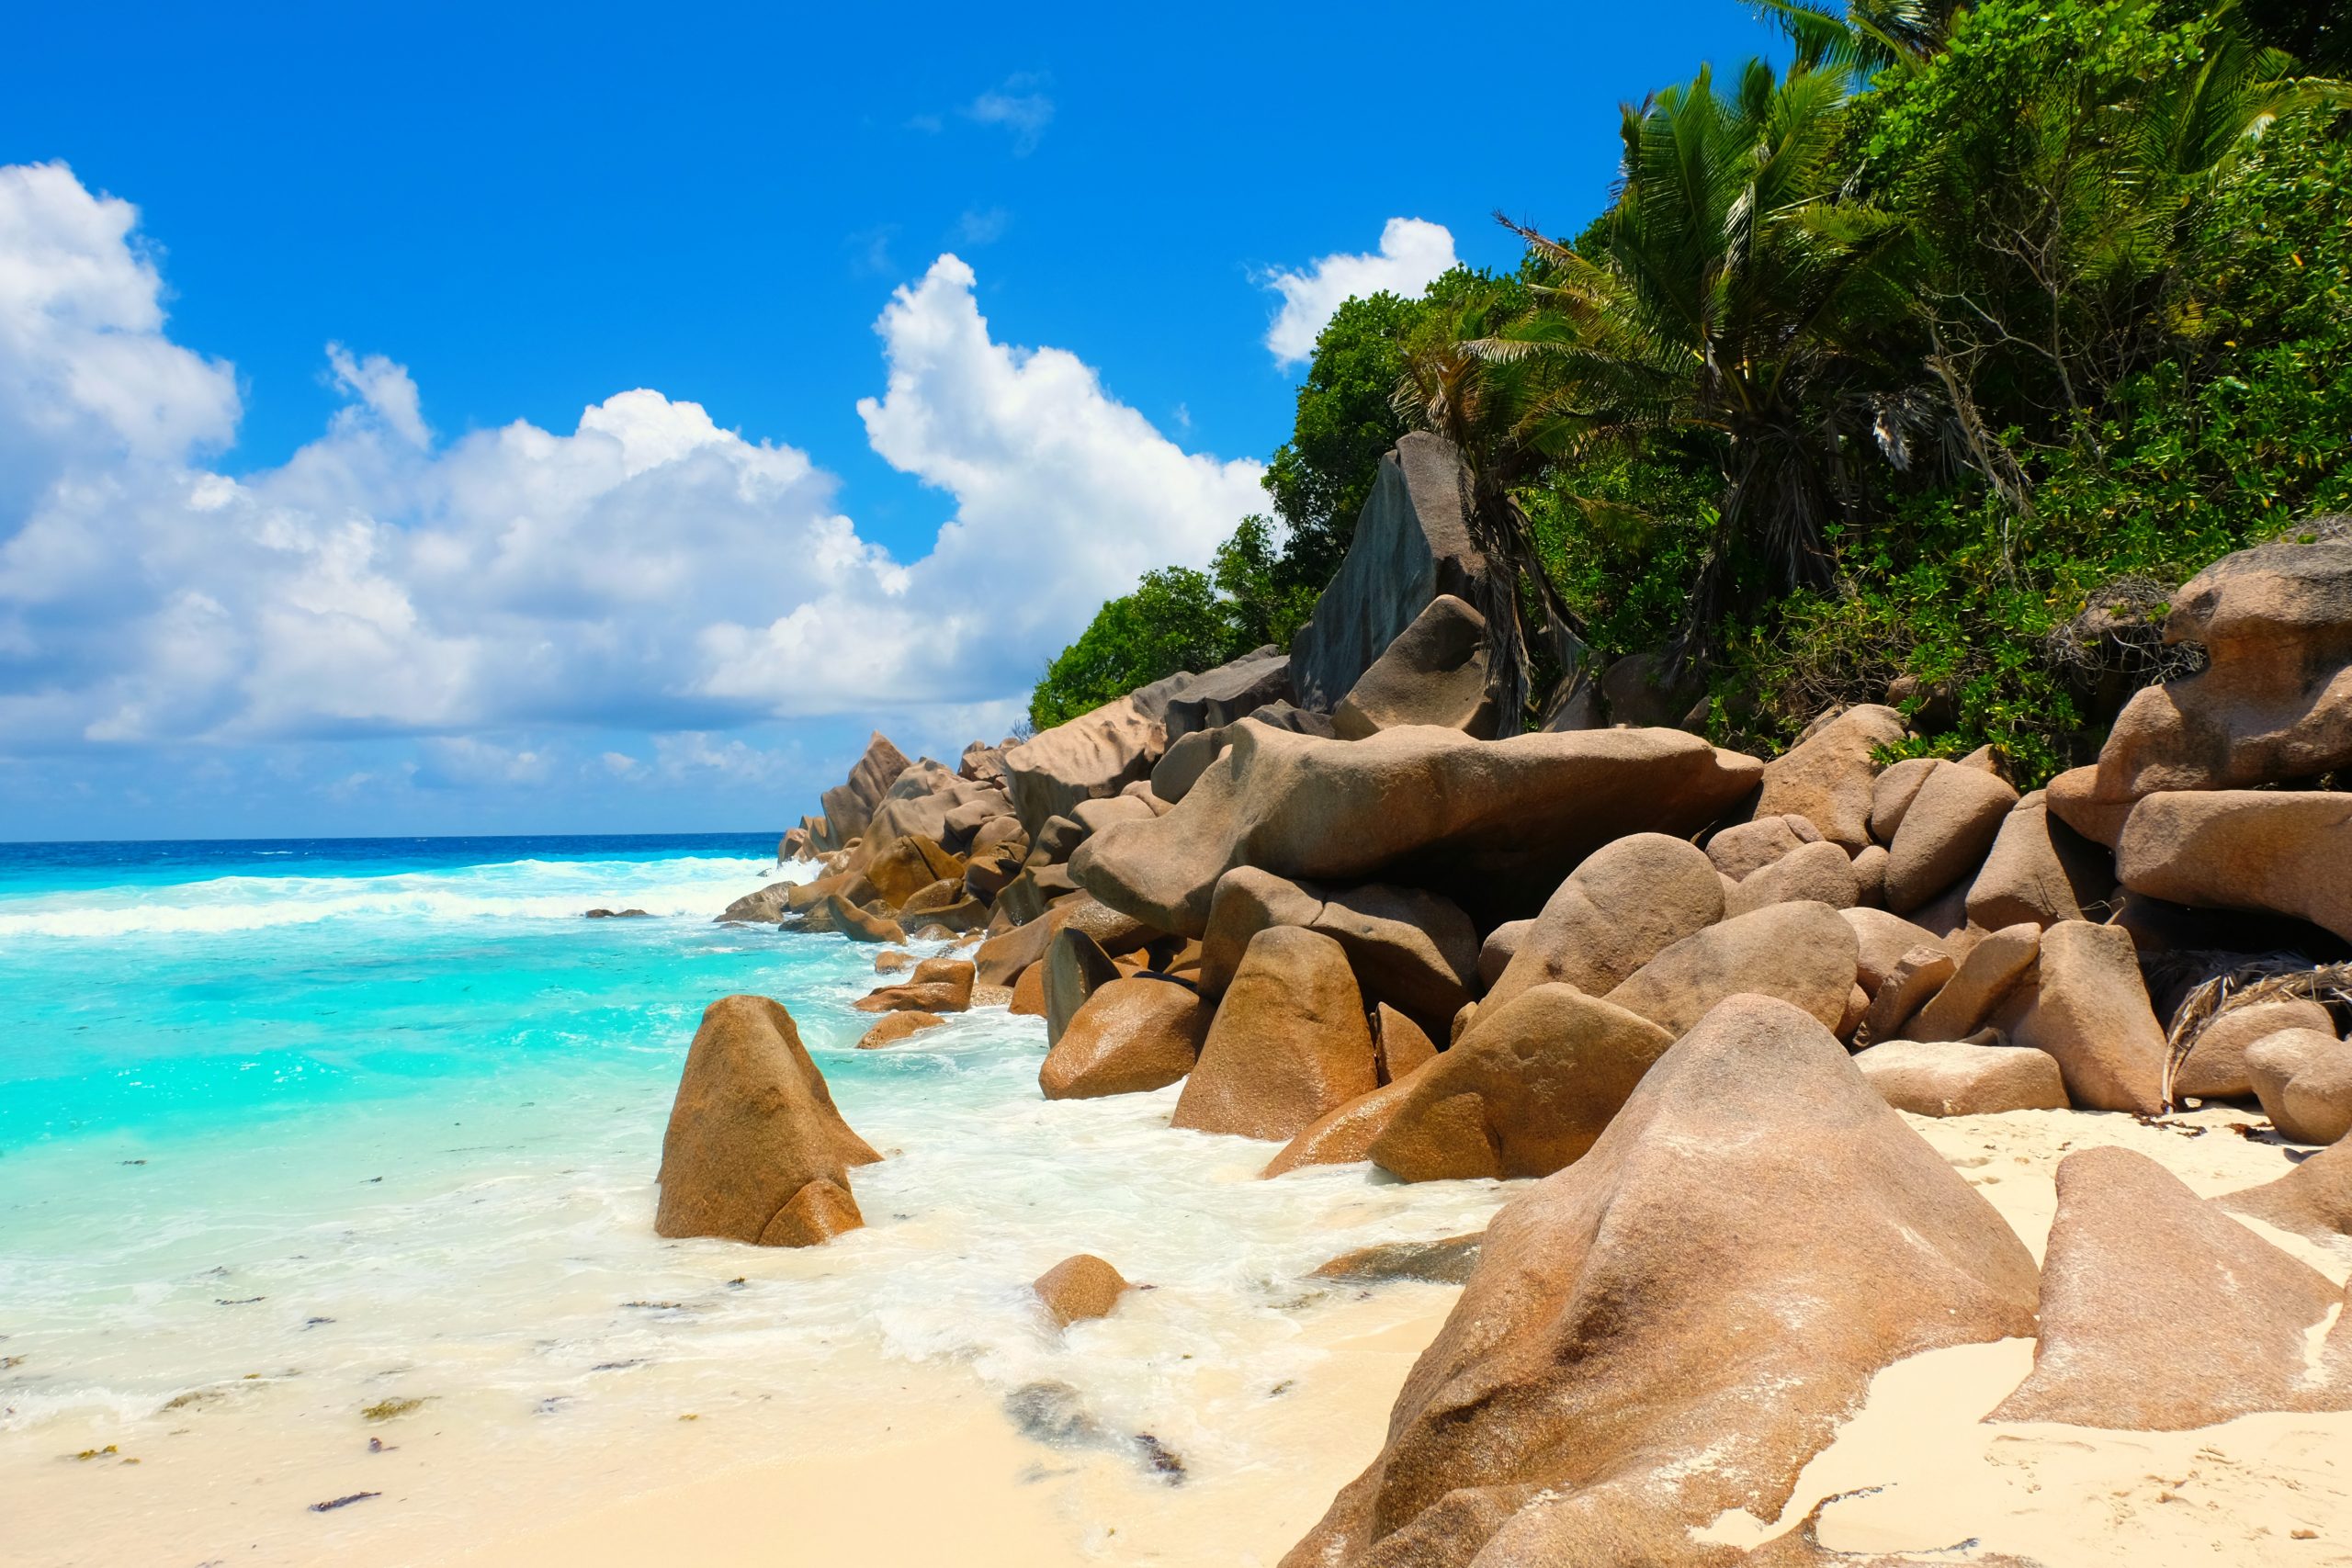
{"x":647,"y":570}
{"x":1413,"y":254}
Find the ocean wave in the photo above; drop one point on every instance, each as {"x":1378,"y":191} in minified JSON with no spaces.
{"x":525,"y":889}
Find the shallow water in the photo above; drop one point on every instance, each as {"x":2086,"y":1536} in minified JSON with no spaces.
{"x":288,"y":1132}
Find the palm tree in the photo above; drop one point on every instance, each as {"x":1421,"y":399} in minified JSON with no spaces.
{"x":1731,"y":298}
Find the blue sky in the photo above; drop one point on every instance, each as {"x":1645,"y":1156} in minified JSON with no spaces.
{"x":253,"y":584}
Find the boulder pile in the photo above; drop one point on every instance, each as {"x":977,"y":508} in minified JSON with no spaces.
{"x":1336,"y":904}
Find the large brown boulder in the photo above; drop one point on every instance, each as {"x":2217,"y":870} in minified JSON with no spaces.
{"x":2038,"y":870}
{"x":2274,"y":701}
{"x":1127,"y":1037}
{"x":1411,"y":543}
{"x":1742,"y":849}
{"x":1093,"y":756}
{"x":895,"y":1027}
{"x":1827,"y":777}
{"x":2286,"y":852}
{"x":2160,"y":1313}
{"x":1341,"y":1136}
{"x":1881,"y":941}
{"x":1801,"y":953}
{"x":1289,"y":1041}
{"x":1214,"y":698}
{"x":1402,"y":1044}
{"x":751,"y":1127}
{"x":849,"y":806}
{"x":1186,"y":759}
{"x":2304,"y":1078}
{"x":1523,"y":1092}
{"x":1917,"y":976}
{"x":1625,"y":904}
{"x":1892,"y":794}
{"x":1947,"y":830}
{"x":1075,"y":968}
{"x":921,"y":805}
{"x":765,"y":908}
{"x":2314,"y":1199}
{"x":1494,"y":824}
{"x":1992,"y":970}
{"x":1246,"y":901}
{"x":2089,"y":1010}
{"x":1671,"y":1328}
{"x":2215,"y":1066}
{"x":1434,"y":672}
{"x":1949,"y":1078}
{"x":938,"y":984}
{"x":1414,"y":950}
{"x":1819,"y":874}
{"x":857,"y":924}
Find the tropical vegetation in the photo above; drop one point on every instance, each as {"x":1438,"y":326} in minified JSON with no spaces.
{"x":1926,"y":362}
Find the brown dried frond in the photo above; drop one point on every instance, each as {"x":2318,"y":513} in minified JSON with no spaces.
{"x":2276,"y":978}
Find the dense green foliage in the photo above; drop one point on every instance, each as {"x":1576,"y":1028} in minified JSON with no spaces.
{"x":1943,"y":354}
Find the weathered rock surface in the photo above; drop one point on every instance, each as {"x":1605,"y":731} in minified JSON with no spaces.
{"x":1079,"y":1288}
{"x":1801,"y":953}
{"x":1870,"y":877}
{"x":1500,"y":948}
{"x":1525,"y":1090}
{"x":1819,"y":874}
{"x":2288,"y":853}
{"x":1246,"y":901}
{"x":1580,"y":1406}
{"x":2215,"y":1066}
{"x":1289,"y":1042}
{"x":895,"y":1027}
{"x":1743,"y":849}
{"x":1947,"y":830}
{"x":2090,"y":1012}
{"x":1128,"y":1036}
{"x":1488,"y":823}
{"x":1434,"y":672}
{"x":1075,"y":968}
{"x":765,"y":908}
{"x":938,"y":984}
{"x":2314,"y":1199}
{"x":1625,"y":904}
{"x":1411,"y":543}
{"x":1096,"y":815}
{"x":2272,"y":703}
{"x":1415,"y":951}
{"x":2160,"y":1313}
{"x":1094,"y":755}
{"x":1214,"y":698}
{"x":1828,"y":777}
{"x":2304,"y":1079}
{"x":1402,"y":1044}
{"x":849,"y":806}
{"x":753,"y":1125}
{"x":1892,"y":793}
{"x":1880,"y":942}
{"x":1949,"y":1078}
{"x":1341,"y":1136}
{"x":1918,"y":976}
{"x":2040,"y":870}
{"x":1185,"y":761}
{"x":1991,"y":971}
{"x":858,"y":925}
{"x":1446,"y":1262}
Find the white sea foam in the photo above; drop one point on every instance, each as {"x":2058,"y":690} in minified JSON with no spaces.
{"x":524,"y":889}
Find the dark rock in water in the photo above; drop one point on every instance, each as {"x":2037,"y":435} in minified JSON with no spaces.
{"x":1055,"y":1414}
{"x":1446,"y":1262}
{"x":1411,"y":543}
{"x":765,"y":908}
{"x":1216,"y":697}
{"x":623,"y":915}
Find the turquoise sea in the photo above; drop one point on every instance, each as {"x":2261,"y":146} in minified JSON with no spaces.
{"x":291,"y":1130}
